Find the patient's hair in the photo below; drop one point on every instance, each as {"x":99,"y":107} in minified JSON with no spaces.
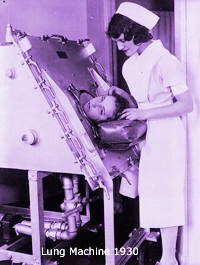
{"x":121,"y":103}
{"x":121,"y":24}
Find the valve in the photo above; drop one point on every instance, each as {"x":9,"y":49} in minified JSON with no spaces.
{"x":30,"y":137}
{"x":10,"y":73}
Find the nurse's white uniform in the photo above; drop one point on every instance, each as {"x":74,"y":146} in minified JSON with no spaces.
{"x":154,"y":78}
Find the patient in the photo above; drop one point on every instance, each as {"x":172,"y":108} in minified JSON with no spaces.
{"x":111,"y":132}
{"x":107,"y":108}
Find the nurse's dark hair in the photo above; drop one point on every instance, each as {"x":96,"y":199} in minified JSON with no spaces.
{"x":121,"y":103}
{"x":120,"y":24}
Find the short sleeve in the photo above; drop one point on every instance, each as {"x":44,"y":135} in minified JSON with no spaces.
{"x":178,"y":89}
{"x":173,"y":74}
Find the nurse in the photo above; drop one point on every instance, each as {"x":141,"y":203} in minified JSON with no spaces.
{"x":157,"y":81}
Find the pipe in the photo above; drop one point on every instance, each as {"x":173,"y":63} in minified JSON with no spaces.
{"x":75,"y":184}
{"x":22,"y":229}
{"x":49,"y":224}
{"x":58,"y":234}
{"x":61,"y":230}
{"x":77,"y":196}
{"x":68,"y":187}
{"x":54,"y":234}
{"x":70,"y":201}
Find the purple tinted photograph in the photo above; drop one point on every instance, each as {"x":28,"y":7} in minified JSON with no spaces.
{"x":99,"y":135}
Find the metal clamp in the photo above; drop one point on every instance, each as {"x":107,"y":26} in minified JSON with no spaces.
{"x":101,"y":185}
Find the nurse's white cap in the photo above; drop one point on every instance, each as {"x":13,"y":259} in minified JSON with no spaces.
{"x":138,"y":14}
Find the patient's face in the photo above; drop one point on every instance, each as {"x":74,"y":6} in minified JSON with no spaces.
{"x":100,"y":108}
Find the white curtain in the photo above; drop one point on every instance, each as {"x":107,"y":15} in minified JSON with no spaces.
{"x":164,"y":30}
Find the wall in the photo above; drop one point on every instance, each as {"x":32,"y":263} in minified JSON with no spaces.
{"x":40,"y":17}
{"x":99,"y":13}
{"x":187,"y":50}
{"x":79,"y":19}
{"x":193,"y":66}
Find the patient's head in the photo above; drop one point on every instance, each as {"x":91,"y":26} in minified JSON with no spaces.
{"x":105,"y":108}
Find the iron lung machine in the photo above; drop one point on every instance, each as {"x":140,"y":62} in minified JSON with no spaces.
{"x":43,"y":130}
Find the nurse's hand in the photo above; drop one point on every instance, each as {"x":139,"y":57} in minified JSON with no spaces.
{"x":117,"y":90}
{"x":134,"y":114}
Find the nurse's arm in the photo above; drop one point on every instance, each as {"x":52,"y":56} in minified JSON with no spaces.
{"x":183,"y":105}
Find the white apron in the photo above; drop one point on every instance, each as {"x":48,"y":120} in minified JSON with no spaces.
{"x":162,"y":163}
